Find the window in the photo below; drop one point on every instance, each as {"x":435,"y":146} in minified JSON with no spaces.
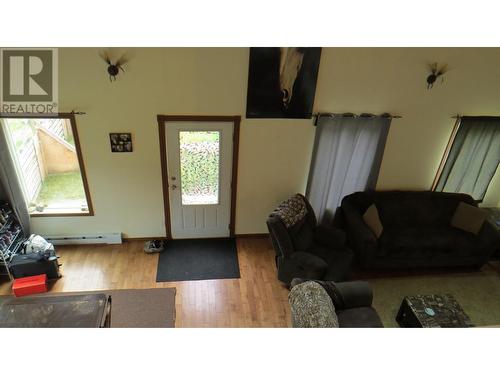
{"x":47,"y":158}
{"x":471,"y":158}
{"x":199,"y":158}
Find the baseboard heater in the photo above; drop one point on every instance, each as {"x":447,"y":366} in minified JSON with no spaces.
{"x":85,"y":239}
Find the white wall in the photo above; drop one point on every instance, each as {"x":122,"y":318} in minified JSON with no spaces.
{"x":274,"y":154}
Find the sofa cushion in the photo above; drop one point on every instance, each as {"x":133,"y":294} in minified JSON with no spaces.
{"x":329,"y":236}
{"x":468,"y":218}
{"x":339,"y":265}
{"x":309,"y":260}
{"x":428,"y":242}
{"x":372,"y":219}
{"x":329,"y":254}
{"x":311,"y":307}
{"x":338,"y":259}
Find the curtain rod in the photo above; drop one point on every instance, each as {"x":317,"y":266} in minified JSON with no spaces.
{"x":36,"y":115}
{"x":458,"y":117}
{"x":348,"y":114}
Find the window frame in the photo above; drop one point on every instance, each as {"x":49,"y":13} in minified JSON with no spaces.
{"x":71,"y":117}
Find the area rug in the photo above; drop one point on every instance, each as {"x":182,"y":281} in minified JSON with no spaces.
{"x":477,"y":292}
{"x":139,"y":308}
{"x":198,"y":259}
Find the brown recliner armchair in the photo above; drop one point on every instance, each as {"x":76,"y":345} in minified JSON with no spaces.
{"x":305,"y":249}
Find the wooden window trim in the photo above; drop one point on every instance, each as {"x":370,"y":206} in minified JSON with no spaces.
{"x":71,"y":117}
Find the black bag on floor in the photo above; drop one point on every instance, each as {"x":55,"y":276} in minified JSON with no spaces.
{"x":23,"y":265}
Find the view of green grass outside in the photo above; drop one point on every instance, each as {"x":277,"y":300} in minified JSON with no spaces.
{"x":70,"y":139}
{"x":61,"y":187}
{"x":55,"y":191}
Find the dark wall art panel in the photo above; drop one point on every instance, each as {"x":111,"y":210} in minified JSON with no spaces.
{"x":121,"y":142}
{"x":282,"y":81}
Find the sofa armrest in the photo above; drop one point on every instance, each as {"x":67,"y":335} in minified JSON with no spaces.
{"x":309,"y":261}
{"x":490,"y":237}
{"x":329,"y":236}
{"x":359,"y":237}
{"x":280,"y":238}
{"x":345,"y":295}
{"x":354,"y":294}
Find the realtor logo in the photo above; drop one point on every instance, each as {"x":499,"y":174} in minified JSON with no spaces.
{"x":28,"y":80}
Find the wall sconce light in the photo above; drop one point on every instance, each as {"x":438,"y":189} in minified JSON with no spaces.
{"x":436,"y":71}
{"x":113,"y":69}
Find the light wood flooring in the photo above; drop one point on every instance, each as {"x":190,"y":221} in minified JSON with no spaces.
{"x":257,"y":299}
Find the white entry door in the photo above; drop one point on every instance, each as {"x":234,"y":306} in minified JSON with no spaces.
{"x":199,"y":161}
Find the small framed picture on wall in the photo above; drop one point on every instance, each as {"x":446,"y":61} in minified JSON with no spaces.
{"x":121,"y":142}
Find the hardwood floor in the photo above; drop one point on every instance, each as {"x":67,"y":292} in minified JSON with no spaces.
{"x":257,"y":299}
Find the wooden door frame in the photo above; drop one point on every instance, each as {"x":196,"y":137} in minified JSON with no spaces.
{"x":162,"y":123}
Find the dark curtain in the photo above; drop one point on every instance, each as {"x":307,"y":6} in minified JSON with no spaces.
{"x":473,"y":158}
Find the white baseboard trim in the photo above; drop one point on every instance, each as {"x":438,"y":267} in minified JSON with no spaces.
{"x":85,"y":239}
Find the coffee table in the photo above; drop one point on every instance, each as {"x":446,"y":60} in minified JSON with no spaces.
{"x":414,"y":312}
{"x":75,"y":311}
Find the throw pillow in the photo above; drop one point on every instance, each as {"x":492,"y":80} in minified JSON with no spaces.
{"x":372,"y":219}
{"x":311,"y":307}
{"x":468,"y":218}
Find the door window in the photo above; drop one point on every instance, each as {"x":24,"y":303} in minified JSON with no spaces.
{"x":199,"y":161}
